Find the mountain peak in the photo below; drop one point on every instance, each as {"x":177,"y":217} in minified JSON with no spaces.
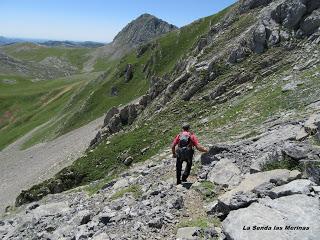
{"x":141,"y":30}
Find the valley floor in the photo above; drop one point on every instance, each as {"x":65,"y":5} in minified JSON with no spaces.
{"x":20,"y":169}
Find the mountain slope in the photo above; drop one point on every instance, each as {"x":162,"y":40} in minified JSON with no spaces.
{"x":138,"y":32}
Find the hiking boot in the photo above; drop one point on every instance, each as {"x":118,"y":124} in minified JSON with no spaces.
{"x":184,"y":179}
{"x":178,"y":182}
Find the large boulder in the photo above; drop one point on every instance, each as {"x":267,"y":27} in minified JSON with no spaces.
{"x":113,"y":111}
{"x":277,"y":135}
{"x":259,"y":39}
{"x":250,"y":4}
{"x":289,"y":13}
{"x":299,"y":186}
{"x":293,"y":217}
{"x":115,"y":124}
{"x":310,"y":24}
{"x":208,"y":158}
{"x":228,"y":201}
{"x":313,"y":4}
{"x":312,"y":125}
{"x":225,"y":173}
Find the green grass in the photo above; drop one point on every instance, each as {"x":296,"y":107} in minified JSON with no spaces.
{"x":135,"y":190}
{"x":203,"y":222}
{"x":286,"y":163}
{"x":207,"y":190}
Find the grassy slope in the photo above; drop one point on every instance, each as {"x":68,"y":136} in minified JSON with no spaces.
{"x":26,"y":104}
{"x":37,"y":53}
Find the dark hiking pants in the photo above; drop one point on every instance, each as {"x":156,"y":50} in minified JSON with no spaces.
{"x":187,"y":170}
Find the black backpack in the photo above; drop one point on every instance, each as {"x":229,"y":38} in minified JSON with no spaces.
{"x":184,"y":146}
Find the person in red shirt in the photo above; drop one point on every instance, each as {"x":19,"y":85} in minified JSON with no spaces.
{"x":182,"y":149}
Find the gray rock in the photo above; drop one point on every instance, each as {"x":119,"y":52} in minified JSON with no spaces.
{"x":115,"y":124}
{"x":156,"y":223}
{"x":311,"y":23}
{"x":82,"y":217}
{"x":250,"y":4}
{"x":114,"y":91}
{"x":250,"y":183}
{"x":201,"y":44}
{"x":301,"y":134}
{"x":277,"y":135}
{"x":128,"y":75}
{"x":128,"y":161}
{"x":210,"y":233}
{"x":51,"y":209}
{"x":144,"y":150}
{"x":121,"y":183}
{"x":113,"y":111}
{"x":208,"y":158}
{"x":287,"y":212}
{"x":237,"y":55}
{"x":176,"y":202}
{"x":225,"y":173}
{"x":311,"y":169}
{"x":316,"y":189}
{"x":101,"y":236}
{"x":312,"y":125}
{"x":289,"y":13}
{"x":188,"y":233}
{"x":259,"y":39}
{"x":299,"y":186}
{"x":296,"y":152}
{"x":274,"y":37}
{"x":107,"y":215}
{"x":312,"y":5}
{"x":289,"y":87}
{"x":240,"y":200}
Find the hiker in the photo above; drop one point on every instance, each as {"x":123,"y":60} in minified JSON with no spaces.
{"x":185,"y":141}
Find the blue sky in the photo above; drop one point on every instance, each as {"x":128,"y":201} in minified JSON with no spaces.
{"x":95,"y":20}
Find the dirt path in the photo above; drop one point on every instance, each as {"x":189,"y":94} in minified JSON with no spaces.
{"x":20,"y":169}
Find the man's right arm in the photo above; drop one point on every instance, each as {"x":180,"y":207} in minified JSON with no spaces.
{"x":201,"y":148}
{"x":198,"y":146}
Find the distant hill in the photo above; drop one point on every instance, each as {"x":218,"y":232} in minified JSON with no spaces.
{"x":141,"y":30}
{"x":88,"y":44}
{"x":4,"y":40}
{"x":50,"y":43}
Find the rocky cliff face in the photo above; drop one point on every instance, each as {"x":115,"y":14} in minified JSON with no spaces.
{"x":141,"y":30}
{"x":138,"y":32}
{"x":250,"y":83}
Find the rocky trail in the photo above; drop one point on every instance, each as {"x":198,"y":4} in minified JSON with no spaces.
{"x":20,"y":169}
{"x":230,"y":194}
